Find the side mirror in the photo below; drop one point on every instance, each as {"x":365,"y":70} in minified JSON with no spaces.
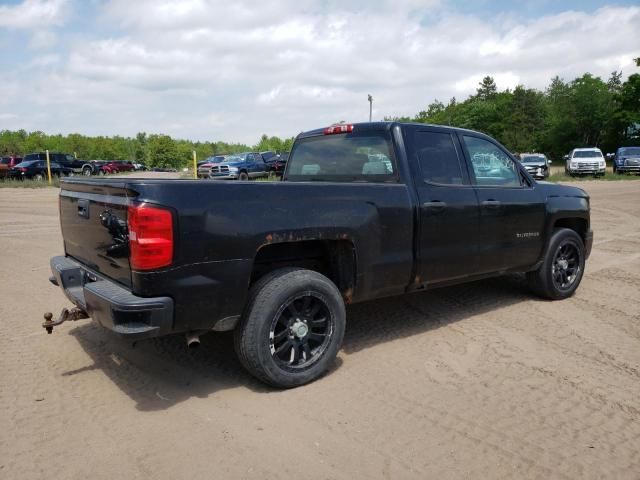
{"x":550,"y":162}
{"x":566,"y":157}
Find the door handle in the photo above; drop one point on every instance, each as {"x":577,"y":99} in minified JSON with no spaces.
{"x":491,"y":203}
{"x":436,"y":205}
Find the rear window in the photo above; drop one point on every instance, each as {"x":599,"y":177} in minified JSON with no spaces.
{"x":344,"y":157}
{"x":5,"y":161}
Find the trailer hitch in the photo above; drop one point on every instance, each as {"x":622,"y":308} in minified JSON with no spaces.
{"x":65,"y":315}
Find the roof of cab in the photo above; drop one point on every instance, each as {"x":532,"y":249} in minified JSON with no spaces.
{"x":382,"y":126}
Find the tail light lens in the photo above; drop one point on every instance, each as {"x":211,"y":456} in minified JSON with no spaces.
{"x":150,"y":237}
{"x":340,"y":128}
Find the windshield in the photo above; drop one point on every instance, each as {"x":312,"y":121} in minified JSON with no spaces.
{"x":533,"y":159}
{"x":629,"y":151}
{"x":587,"y":154}
{"x":238,"y":157}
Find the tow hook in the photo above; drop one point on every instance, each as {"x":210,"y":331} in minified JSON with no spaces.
{"x":71,"y":315}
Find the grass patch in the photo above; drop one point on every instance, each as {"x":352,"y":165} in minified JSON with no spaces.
{"x":563,"y":177}
{"x":29,"y":183}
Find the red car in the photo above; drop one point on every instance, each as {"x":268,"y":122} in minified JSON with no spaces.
{"x":8,"y":162}
{"x":116,"y":167}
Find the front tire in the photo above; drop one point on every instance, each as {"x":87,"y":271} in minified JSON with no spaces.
{"x":562,"y":268}
{"x":243,"y":176}
{"x":86,"y":171}
{"x":292,"y":327}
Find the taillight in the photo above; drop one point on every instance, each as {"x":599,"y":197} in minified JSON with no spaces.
{"x":340,"y":128}
{"x":21,"y":169}
{"x":150,"y":237}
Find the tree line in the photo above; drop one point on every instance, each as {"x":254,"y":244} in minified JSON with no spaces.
{"x":585,"y":112}
{"x":153,"y":150}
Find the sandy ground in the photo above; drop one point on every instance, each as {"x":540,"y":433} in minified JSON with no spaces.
{"x":476,"y":381}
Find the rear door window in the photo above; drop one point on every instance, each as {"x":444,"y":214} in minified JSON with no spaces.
{"x":438,"y":158}
{"x":366,"y":157}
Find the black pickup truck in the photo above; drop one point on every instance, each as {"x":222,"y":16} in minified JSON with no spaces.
{"x":363,"y":211}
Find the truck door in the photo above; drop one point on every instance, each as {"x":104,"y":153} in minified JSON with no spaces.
{"x":512,"y":211}
{"x":448,"y":207}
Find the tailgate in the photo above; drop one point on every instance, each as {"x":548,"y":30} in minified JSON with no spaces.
{"x":93,"y":218}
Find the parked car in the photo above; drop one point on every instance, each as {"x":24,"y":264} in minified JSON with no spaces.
{"x":537,"y":164}
{"x":205,"y":168}
{"x":151,"y":258}
{"x":139,"y":167}
{"x":78,"y":166}
{"x":271,"y":160}
{"x":239,"y":166}
{"x":627,"y":160}
{"x":117,"y":167}
{"x":8,"y":162}
{"x":585,"y":161}
{"x":37,"y":169}
{"x":275,"y":162}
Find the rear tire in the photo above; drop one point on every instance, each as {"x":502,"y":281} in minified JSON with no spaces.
{"x":562,"y":268}
{"x":87,"y":171}
{"x":292,"y":327}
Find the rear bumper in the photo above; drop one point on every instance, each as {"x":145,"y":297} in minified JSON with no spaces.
{"x":588,"y":243}
{"x":111,"y":305}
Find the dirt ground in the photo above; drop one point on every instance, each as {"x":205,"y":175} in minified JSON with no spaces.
{"x":476,"y":381}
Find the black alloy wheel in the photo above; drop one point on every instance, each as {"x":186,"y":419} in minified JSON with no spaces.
{"x":566,"y":266}
{"x":292,"y":327}
{"x":300,"y":331}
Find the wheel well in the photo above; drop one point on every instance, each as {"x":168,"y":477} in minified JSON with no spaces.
{"x":579,"y":225}
{"x":333,"y":258}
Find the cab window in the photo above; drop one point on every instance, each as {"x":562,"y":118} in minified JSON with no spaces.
{"x":438,"y":158}
{"x":351,"y":157}
{"x":491,"y":165}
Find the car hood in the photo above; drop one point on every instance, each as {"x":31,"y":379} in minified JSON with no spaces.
{"x":557,"y":190}
{"x":541,"y":163}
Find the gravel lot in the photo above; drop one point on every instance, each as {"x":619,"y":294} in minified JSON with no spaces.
{"x":476,"y":381}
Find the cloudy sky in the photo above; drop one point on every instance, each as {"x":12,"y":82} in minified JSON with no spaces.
{"x":232,"y":70}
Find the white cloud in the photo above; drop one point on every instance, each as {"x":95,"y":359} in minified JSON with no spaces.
{"x":233,"y":70}
{"x":34,"y":14}
{"x":43,"y":39}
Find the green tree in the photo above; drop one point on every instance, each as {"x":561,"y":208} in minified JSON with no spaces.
{"x":163,"y":152}
{"x":487,"y":88}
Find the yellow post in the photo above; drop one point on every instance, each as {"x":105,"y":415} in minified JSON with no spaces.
{"x":195,"y":165}
{"x":48,"y":166}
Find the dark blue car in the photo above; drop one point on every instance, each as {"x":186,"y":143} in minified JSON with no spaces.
{"x":240,"y":166}
{"x":627,"y":159}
